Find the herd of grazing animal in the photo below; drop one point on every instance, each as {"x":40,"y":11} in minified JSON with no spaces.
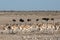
{"x":28,"y":28}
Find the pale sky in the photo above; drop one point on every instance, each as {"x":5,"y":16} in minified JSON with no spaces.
{"x":29,"y":4}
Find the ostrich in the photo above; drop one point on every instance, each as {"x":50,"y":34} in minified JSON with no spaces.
{"x":14,"y":21}
{"x":52,"y":20}
{"x":46,"y":19}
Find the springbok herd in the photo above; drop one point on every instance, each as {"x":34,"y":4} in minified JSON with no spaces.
{"x":30,"y":28}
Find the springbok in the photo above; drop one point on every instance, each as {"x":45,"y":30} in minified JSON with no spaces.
{"x":4,"y":28}
{"x":33,"y":27}
{"x":51,"y":26}
{"x":57,"y":26}
{"x":14,"y":28}
{"x":42,"y":26}
{"x":24,"y":27}
{"x":45,"y":26}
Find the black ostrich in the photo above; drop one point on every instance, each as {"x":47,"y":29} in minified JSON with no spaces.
{"x":52,"y":20}
{"x":46,"y":19}
{"x":21,"y":20}
{"x":14,"y":21}
{"x":9,"y":28}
